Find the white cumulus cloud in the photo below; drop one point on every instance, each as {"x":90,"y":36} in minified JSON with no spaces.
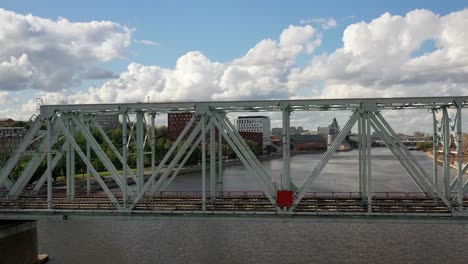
{"x":380,"y":58}
{"x":45,"y":54}
{"x":263,"y":72}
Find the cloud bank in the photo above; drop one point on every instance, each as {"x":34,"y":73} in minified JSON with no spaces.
{"x":50,"y":55}
{"x":418,"y":54}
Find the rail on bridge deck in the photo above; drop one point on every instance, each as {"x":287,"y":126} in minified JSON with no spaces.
{"x":53,"y":137}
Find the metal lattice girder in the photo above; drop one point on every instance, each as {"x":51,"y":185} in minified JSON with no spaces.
{"x":40,"y":182}
{"x":266,"y":188}
{"x":177,"y":157}
{"x":151,"y":181}
{"x":48,"y":111}
{"x":397,"y":151}
{"x":238,"y":139}
{"x":13,"y":160}
{"x":99,"y":152}
{"x":230,"y":133}
{"x":412,"y":166}
{"x":113,"y":148}
{"x":85,"y":159}
{"x":394,"y":148}
{"x":325,"y":158}
{"x":181,"y":165}
{"x":28,"y":171}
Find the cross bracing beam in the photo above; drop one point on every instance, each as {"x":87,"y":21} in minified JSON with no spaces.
{"x":33,"y":164}
{"x":396,"y":151}
{"x":99,"y":152}
{"x":248,"y":163}
{"x":58,"y":155}
{"x":325,"y":158}
{"x":178,"y":156}
{"x":181,"y":165}
{"x":19,"y":151}
{"x":401,"y":151}
{"x":245,"y":149}
{"x":77,"y":148}
{"x":151,"y":181}
{"x":113,"y":148}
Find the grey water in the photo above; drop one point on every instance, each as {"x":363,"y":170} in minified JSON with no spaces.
{"x":151,"y":241}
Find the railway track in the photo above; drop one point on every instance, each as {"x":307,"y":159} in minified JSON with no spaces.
{"x":314,"y":204}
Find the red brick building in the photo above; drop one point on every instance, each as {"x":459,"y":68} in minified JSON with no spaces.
{"x":308,"y":143}
{"x":256,"y":137}
{"x":176,"y":122}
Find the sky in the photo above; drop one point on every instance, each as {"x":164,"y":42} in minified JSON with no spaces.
{"x":131,"y":51}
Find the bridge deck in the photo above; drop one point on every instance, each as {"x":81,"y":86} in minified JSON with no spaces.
{"x":190,"y":203}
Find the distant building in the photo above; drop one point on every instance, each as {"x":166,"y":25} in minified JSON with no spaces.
{"x":334,"y":128}
{"x":259,"y":124}
{"x":323,"y":130}
{"x":10,"y":137}
{"x":176,"y":122}
{"x":276,"y":131}
{"x":308,"y":143}
{"x":107,"y":121}
{"x":6,"y":121}
{"x":256,"y":137}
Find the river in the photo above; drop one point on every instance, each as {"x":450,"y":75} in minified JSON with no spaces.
{"x":114,"y":241}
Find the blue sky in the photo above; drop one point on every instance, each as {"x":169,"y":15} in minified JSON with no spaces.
{"x":222,"y":30}
{"x":228,"y":50}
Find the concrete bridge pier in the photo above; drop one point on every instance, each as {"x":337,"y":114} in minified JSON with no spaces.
{"x":18,"y":242}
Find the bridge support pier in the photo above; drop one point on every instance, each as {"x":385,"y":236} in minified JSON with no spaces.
{"x":18,"y":242}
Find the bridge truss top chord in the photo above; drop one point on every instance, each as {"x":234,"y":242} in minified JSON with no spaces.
{"x":64,"y":122}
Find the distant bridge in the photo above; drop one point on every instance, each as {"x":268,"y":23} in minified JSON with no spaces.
{"x":440,"y":196}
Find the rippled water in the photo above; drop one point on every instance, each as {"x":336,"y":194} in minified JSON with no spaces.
{"x":152,"y":241}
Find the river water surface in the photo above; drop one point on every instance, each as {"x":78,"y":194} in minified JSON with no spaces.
{"x":151,"y":241}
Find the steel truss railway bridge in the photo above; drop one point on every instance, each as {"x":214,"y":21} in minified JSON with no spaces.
{"x":52,"y":138}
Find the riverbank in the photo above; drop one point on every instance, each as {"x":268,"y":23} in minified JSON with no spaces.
{"x":440,"y":161}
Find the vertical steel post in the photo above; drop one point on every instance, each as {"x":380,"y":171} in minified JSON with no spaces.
{"x":361,"y":182}
{"x":212,"y":162}
{"x":446,"y":140}
{"x":72,"y":165}
{"x":139,"y":149}
{"x":153,"y":142}
{"x":220,"y":160}
{"x":88,"y":170}
{"x":49,"y":163}
{"x":68,"y":125}
{"x":124,"y":157}
{"x":459,"y":157}
{"x":286,"y":178}
{"x":363,"y":161}
{"x":368,"y":163}
{"x":435,"y":155}
{"x":203,"y":163}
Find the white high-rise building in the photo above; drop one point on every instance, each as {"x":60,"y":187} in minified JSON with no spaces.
{"x":259,"y":124}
